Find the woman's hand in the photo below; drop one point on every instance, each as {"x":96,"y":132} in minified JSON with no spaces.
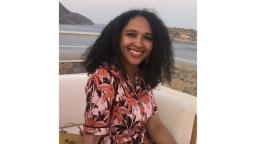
{"x":158,"y":132}
{"x":90,"y":139}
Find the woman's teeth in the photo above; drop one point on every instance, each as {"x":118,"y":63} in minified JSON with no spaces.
{"x":135,"y":52}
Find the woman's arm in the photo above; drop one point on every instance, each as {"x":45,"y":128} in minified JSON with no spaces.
{"x":99,"y":99}
{"x":158,"y":132}
{"x":90,"y":139}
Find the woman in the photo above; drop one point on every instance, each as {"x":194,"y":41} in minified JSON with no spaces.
{"x":131,"y":57}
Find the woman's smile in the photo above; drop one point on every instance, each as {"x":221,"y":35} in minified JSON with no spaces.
{"x":135,"y":53}
{"x":136,"y":41}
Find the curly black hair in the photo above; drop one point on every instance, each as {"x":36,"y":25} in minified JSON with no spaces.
{"x":106,"y":49}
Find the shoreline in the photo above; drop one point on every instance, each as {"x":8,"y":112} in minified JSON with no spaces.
{"x":187,"y":41}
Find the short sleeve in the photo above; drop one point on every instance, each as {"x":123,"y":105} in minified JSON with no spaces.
{"x":100,"y":94}
{"x":153,"y":101}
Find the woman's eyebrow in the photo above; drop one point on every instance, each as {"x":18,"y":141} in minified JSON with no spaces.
{"x":132,"y":30}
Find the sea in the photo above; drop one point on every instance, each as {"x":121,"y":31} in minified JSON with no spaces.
{"x":75,"y":39}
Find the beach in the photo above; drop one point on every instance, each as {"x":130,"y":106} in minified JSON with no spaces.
{"x":185,"y":79}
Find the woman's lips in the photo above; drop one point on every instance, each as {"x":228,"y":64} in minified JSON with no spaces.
{"x":135,"y":53}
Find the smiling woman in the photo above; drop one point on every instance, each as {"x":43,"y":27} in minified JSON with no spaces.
{"x":136,"y":43}
{"x":130,"y":58}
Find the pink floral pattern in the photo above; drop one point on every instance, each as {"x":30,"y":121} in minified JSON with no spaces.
{"x":116,"y":110}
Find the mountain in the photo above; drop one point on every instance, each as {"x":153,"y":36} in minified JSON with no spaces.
{"x":182,"y":34}
{"x":68,"y":17}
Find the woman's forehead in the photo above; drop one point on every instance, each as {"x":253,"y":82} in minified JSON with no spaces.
{"x":138,"y":23}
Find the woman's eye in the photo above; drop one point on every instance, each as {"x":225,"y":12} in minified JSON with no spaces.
{"x":149,"y":38}
{"x":131,"y":34}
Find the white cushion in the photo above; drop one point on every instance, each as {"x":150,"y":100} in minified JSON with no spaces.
{"x":72,"y":98}
{"x":177,"y":112}
{"x":176,"y":109}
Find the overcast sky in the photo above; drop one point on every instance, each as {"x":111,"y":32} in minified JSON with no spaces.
{"x":174,"y":13}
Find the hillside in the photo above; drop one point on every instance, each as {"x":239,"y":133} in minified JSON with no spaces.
{"x":181,"y":34}
{"x":68,"y":17}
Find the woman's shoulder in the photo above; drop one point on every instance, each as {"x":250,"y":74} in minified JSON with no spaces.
{"x":104,"y":73}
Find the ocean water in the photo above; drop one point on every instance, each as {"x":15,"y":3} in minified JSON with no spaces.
{"x":73,"y":39}
{"x":82,"y":28}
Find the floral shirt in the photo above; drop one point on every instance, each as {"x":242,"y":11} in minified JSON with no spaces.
{"x":116,"y":110}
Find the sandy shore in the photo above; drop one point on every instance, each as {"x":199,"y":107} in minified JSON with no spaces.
{"x":184,"y":79}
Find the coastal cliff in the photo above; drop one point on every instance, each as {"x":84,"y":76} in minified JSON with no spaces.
{"x":182,"y":34}
{"x":68,"y":17}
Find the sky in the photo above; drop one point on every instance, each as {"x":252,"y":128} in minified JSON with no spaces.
{"x":174,"y":13}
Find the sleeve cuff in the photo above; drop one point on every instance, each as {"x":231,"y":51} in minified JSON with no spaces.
{"x":96,"y":131}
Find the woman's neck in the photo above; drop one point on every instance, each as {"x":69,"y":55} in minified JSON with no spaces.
{"x":131,"y":70}
{"x":131,"y":75}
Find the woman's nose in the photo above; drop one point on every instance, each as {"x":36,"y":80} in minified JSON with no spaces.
{"x":138,"y":42}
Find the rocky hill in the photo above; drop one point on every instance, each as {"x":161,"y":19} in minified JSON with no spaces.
{"x":68,"y":17}
{"x":181,"y":34}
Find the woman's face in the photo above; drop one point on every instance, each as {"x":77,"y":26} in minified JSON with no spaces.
{"x":136,"y":41}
